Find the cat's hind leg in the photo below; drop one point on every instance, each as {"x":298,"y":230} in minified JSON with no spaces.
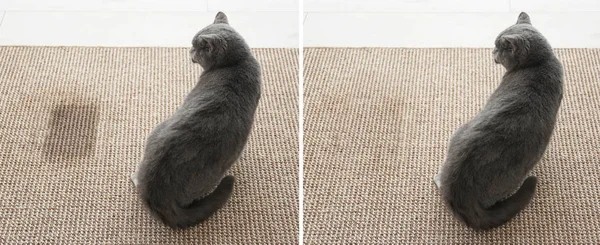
{"x":134,"y":178}
{"x":437,"y":181}
{"x":135,"y":175}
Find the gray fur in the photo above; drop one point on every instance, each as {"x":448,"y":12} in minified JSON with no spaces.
{"x":181,"y":176}
{"x":490,"y":157}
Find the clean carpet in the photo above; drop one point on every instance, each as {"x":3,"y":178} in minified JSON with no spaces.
{"x":378,"y":121}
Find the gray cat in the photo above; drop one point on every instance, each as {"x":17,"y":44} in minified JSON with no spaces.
{"x":490,"y":157}
{"x":181,"y":176}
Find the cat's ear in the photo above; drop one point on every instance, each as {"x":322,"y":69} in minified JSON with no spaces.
{"x":213,"y":41}
{"x":221,"y":18}
{"x":523,"y":18}
{"x":516,"y":43}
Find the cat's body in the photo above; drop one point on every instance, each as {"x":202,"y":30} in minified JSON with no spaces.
{"x":181,"y":176}
{"x":490,"y":157}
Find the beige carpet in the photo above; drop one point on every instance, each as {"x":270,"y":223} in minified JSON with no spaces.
{"x":72,"y":128}
{"x":377,"y":125}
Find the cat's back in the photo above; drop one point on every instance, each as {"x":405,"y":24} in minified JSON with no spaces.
{"x":537,"y":88}
{"x":548,"y":74}
{"x":222,"y":105}
{"x":235,"y":90}
{"x":242,"y":79}
{"x":521,"y":111}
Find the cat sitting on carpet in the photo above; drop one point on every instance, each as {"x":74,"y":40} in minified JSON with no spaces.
{"x":490,"y":156}
{"x":181,"y":178}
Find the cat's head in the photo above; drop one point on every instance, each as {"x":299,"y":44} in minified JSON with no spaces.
{"x":218,"y":45}
{"x":521,"y":45}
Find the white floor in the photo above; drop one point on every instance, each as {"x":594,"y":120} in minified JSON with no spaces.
{"x":446,"y":23}
{"x":274,"y":23}
{"x":132,"y":23}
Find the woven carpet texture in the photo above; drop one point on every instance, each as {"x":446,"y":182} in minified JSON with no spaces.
{"x":73,"y":126}
{"x":377,"y":124}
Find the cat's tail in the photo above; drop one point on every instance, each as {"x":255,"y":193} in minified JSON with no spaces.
{"x":202,"y":209}
{"x":501,"y":212}
{"x":199,"y":210}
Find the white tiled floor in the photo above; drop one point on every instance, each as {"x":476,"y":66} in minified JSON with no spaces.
{"x":103,"y":5}
{"x":264,"y":23}
{"x":405,"y":6}
{"x":445,"y":23}
{"x":171,"y":29}
{"x":274,"y":23}
{"x":254,"y":5}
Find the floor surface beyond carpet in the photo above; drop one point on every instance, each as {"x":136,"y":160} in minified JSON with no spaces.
{"x":73,"y":124}
{"x":377,"y":124}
